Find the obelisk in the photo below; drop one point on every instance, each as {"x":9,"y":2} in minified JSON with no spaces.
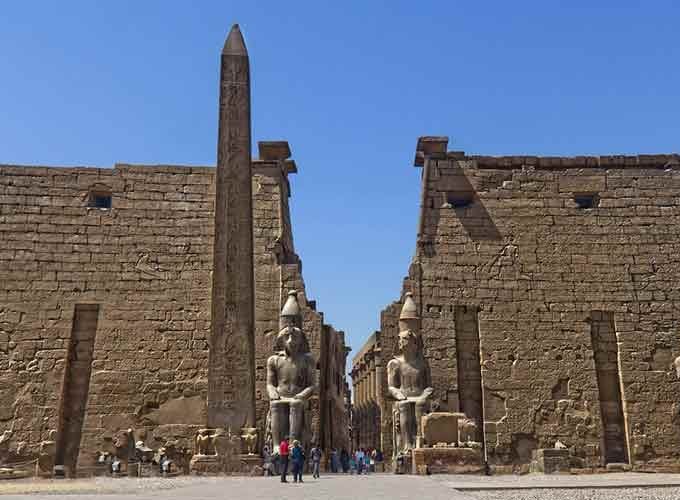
{"x":231,"y":365}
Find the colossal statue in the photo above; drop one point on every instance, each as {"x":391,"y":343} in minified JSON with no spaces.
{"x":408,"y":380}
{"x":290,"y":376}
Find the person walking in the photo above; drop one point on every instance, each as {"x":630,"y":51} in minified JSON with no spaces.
{"x":359,"y":459}
{"x":379,"y":465}
{"x":297,"y":455}
{"x":283,"y":454}
{"x":344,"y":461}
{"x":267,"y":459}
{"x":334,"y":461}
{"x":316,"y":461}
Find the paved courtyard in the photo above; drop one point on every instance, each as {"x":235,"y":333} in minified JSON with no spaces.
{"x":379,"y":486}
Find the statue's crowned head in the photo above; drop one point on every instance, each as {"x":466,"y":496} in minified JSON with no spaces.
{"x":291,"y":338}
{"x":409,"y":326}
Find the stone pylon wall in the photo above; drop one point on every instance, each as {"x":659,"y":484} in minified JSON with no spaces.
{"x":511,"y":239}
{"x":147,"y":263}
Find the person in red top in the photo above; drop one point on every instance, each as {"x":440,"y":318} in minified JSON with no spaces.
{"x":283,"y":452}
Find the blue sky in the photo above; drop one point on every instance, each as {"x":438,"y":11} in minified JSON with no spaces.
{"x":351,"y":85}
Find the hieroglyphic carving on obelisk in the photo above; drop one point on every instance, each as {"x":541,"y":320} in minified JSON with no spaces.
{"x":231,"y":373}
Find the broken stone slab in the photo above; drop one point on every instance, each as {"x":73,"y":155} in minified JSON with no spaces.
{"x":551,"y":460}
{"x":441,"y":427}
{"x":447,"y":461}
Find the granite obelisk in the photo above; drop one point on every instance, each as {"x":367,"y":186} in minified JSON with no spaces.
{"x":231,"y":370}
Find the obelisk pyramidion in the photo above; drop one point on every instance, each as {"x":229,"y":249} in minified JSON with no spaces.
{"x":231,"y":370}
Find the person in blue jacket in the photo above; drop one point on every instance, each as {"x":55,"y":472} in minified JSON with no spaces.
{"x":297,"y":455}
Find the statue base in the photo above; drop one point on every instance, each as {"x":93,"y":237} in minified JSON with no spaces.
{"x":448,"y":460}
{"x":551,"y":461}
{"x":248,"y":465}
{"x":12,"y":473}
{"x":205,"y":465}
{"x":236,"y":465}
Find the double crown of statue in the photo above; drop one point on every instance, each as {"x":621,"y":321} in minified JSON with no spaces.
{"x":290,"y":314}
{"x":409,"y":319}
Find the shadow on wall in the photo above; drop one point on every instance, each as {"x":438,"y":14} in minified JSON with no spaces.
{"x":460,"y":196}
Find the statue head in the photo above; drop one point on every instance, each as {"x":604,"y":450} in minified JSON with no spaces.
{"x":676,"y":364}
{"x":291,"y":338}
{"x":292,"y":341}
{"x":408,"y":342}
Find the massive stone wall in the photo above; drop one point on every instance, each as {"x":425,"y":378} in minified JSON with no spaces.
{"x":146,"y":263}
{"x":564,"y":271}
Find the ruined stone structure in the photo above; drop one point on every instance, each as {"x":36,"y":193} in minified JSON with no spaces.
{"x":107,"y":277}
{"x":550,"y":313}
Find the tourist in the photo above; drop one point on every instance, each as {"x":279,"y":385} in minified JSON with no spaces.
{"x":372,"y":462}
{"x":298,"y":458}
{"x":334,"y":461}
{"x":283,"y":454}
{"x":359,"y":459}
{"x":367,"y":461}
{"x":344,"y":461}
{"x":380,"y":466}
{"x":316,"y":461}
{"x":352,"y":465}
{"x":267,"y":462}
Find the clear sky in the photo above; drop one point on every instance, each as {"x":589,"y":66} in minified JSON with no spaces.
{"x":351,"y":85}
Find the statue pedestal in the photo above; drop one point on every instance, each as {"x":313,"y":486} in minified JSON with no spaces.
{"x":205,"y":465}
{"x":448,"y":460}
{"x":248,"y":465}
{"x":551,"y":461}
{"x":235,"y":465}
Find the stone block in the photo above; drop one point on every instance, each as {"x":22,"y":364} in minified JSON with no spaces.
{"x":448,"y":461}
{"x":441,"y":427}
{"x":551,"y":460}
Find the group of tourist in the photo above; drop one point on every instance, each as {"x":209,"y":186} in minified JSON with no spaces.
{"x":365,"y":460}
{"x":293,"y":456}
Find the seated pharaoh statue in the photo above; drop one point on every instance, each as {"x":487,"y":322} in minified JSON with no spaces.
{"x":408,"y":380}
{"x":290,"y":377}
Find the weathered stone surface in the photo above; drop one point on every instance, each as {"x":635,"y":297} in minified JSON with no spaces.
{"x":563,"y":317}
{"x":440,"y":427}
{"x":447,"y":461}
{"x":551,"y":460}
